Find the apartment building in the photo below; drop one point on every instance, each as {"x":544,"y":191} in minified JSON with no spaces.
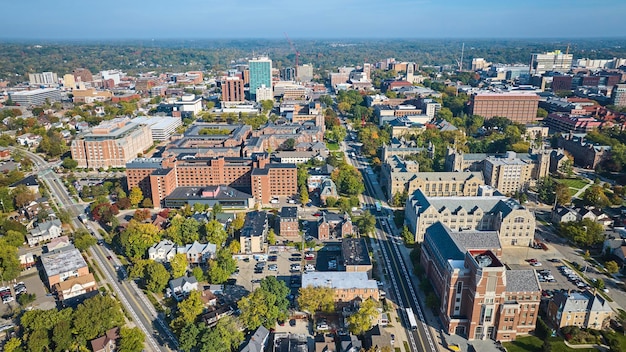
{"x":288,"y":222}
{"x":161,"y":127}
{"x":274,"y":180}
{"x":113,"y":143}
{"x":514,"y":223}
{"x":347,"y":286}
{"x":63,"y":264}
{"x":253,"y":237}
{"x":517,"y":107}
{"x":587,"y":310}
{"x":43,"y":78}
{"x":618,"y":95}
{"x":232,"y":90}
{"x":480,"y":298}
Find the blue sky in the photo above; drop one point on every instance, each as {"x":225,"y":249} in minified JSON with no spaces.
{"x":161,"y":19}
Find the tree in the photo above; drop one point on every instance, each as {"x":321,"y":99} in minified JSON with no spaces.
{"x":142,"y":215}
{"x":147,"y":203}
{"x":188,"y":311}
{"x":361,"y":321}
{"x":289,"y":144}
{"x":258,"y":308}
{"x":62,"y":336}
{"x":271,"y":237}
{"x":69,"y":163}
{"x":135,"y":196}
{"x":366,"y":223}
{"x":408,"y":236}
{"x":13,"y":345}
{"x":9,"y":262}
{"x":14,"y":238}
{"x":123,"y":203}
{"x":331,"y":202}
{"x":138,"y":237}
{"x":611,"y":266}
{"x":22,"y":196}
{"x":314,"y":299}
{"x":156,"y":277}
{"x":238,"y":222}
{"x":188,"y":337}
{"x":599,"y":284}
{"x":215,"y":233}
{"x":267,"y":106}
{"x":279,"y":289}
{"x":567,"y":167}
{"x":563,"y":196}
{"x":38,"y":341}
{"x":198,"y":273}
{"x":189,"y":230}
{"x":131,"y":340}
{"x":26,"y":298}
{"x":234,"y":246}
{"x":304,"y":194}
{"x":545,"y":190}
{"x":95,"y":316}
{"x":83,"y":240}
{"x":585,"y":232}
{"x":221,"y":267}
{"x":179,"y":265}
{"x":541,"y":113}
{"x":594,"y":195}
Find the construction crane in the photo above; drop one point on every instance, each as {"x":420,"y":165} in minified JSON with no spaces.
{"x":293,"y":48}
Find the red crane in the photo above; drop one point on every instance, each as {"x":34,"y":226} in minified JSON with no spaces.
{"x":293,"y":48}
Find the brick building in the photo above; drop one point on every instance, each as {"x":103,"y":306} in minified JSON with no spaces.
{"x":333,"y":226}
{"x":288,"y":222}
{"x":347,"y":286}
{"x":480,"y":298}
{"x":232,"y":90}
{"x":517,"y":107}
{"x":586,"y":153}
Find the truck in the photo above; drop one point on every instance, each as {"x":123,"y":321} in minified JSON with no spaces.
{"x":411,"y":317}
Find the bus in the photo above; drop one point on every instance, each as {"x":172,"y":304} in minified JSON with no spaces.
{"x":378,"y":206}
{"x":412,"y":321}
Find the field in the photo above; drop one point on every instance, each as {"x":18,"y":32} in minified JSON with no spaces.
{"x":332,"y":146}
{"x":532,"y":344}
{"x":574,"y":184}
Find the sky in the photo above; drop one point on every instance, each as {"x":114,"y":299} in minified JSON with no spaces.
{"x":194,"y":19}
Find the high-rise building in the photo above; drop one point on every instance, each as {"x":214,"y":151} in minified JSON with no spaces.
{"x":232,"y":89}
{"x":517,"y":107}
{"x":264,"y":93}
{"x":260,"y":74}
{"x":619,"y":95}
{"x":44,"y":78}
{"x":288,"y":74}
{"x":479,"y":63}
{"x":304,"y":73}
{"x":551,"y":61}
{"x":68,"y":81}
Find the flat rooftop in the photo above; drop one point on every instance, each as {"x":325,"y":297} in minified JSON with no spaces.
{"x":338,"y":280}
{"x":354,"y":251}
{"x":63,"y":260}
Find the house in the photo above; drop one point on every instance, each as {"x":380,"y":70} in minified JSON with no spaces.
{"x":163,"y":251}
{"x":208,"y":298}
{"x":288,"y":223}
{"x":377,"y":339}
{"x":27,"y":260}
{"x":57,"y":243}
{"x":325,"y":343}
{"x":44,"y":232}
{"x":328,"y":189}
{"x":333,"y":225}
{"x":594,"y":214}
{"x":211,"y":318}
{"x":258,"y":341}
{"x":562,"y":214}
{"x":30,"y":182}
{"x":350,"y":343}
{"x":75,"y":287}
{"x":198,"y":253}
{"x":106,"y":343}
{"x":587,"y":310}
{"x":29,"y":140}
{"x":318,"y":175}
{"x":181,"y":287}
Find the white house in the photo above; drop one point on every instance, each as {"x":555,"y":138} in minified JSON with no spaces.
{"x":197,"y":253}
{"x":163,"y":251}
{"x":44,"y":232}
{"x":181,"y":287}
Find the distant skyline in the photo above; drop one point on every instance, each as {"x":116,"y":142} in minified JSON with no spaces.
{"x":196,"y":19}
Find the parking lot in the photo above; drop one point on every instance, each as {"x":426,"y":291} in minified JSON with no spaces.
{"x":33,"y":284}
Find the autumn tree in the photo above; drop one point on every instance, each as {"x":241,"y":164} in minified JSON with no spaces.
{"x":611,"y":266}
{"x":135,"y":196}
{"x":215,"y":233}
{"x":138,"y":237}
{"x":83,"y":239}
{"x":315,"y":299}
{"x":304,"y":194}
{"x":563,"y":195}
{"x":179,"y":265}
{"x":361,"y":321}
{"x":142,"y":215}
{"x":22,"y":196}
{"x":95,"y":316}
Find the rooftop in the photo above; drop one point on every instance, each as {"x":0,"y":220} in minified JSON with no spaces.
{"x":338,"y":280}
{"x":522,"y":281}
{"x":63,"y":260}
{"x":255,"y":224}
{"x":289,"y":212}
{"x":209,"y":192}
{"x":354,"y":251}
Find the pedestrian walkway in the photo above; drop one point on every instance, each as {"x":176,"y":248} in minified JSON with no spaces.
{"x":580,"y":191}
{"x":587,"y":346}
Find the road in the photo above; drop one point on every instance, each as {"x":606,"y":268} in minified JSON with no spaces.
{"x":399,"y":271}
{"x":144,"y":316}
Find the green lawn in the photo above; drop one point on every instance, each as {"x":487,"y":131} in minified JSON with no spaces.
{"x":532,"y":344}
{"x":573,"y":183}
{"x":332,"y":146}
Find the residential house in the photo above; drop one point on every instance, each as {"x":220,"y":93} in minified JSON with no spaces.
{"x":29,"y":181}
{"x":29,"y":140}
{"x":325,"y":343}
{"x":349,"y":343}
{"x":377,"y":339}
{"x":57,"y":243}
{"x":562,"y":214}
{"x":333,"y":225}
{"x":27,"y":260}
{"x":587,"y":310}
{"x":106,"y":343}
{"x":163,"y":251}
{"x":44,"y":232}
{"x":258,"y":341}
{"x":209,"y":299}
{"x":211,"y":318}
{"x":198,"y":253}
{"x":75,"y":287}
{"x":182,"y":286}
{"x":318,"y":175}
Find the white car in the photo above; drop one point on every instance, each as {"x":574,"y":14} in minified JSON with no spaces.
{"x":322,"y":326}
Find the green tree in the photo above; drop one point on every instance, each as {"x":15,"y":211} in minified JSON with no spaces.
{"x":221,"y":267}
{"x":138,"y":237}
{"x":234,"y":246}
{"x":188,"y":311}
{"x":83,"y":240}
{"x":279,"y":289}
{"x":215,"y":233}
{"x":22,"y":196}
{"x":366,"y":223}
{"x":216,"y":210}
{"x":188,"y":337}
{"x":135,"y":196}
{"x":189,"y":230}
{"x":267,"y":106}
{"x":14,"y":238}
{"x":315,"y":299}
{"x":611,"y":266}
{"x":62,"y":336}
{"x":304,"y":194}
{"x":179,"y":265}
{"x":69,"y":163}
{"x":545,"y":190}
{"x":238,"y":222}
{"x":349,"y":180}
{"x":361,"y":321}
{"x":131,"y":340}
{"x":156,"y":277}
{"x":408,"y":236}
{"x":599,"y":284}
{"x":541,"y":113}
{"x":13,"y":345}
{"x":271,"y":237}
{"x":9,"y":261}
{"x":198,"y":273}
{"x":147,"y":203}
{"x":331,"y":202}
{"x":258,"y":308}
{"x":38,"y":341}
{"x":26,"y":298}
{"x":563,"y":196}
{"x":594,"y":195}
{"x":95,"y":316}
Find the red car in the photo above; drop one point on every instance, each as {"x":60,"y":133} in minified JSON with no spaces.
{"x":317,"y":214}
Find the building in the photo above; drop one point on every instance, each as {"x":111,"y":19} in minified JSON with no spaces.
{"x":304,"y":73}
{"x":298,"y":157}
{"x":181,"y":287}
{"x":186,"y":106}
{"x":586,"y":154}
{"x":479,"y":63}
{"x":161,"y":127}
{"x":517,"y":107}
{"x":232,"y":90}
{"x":82,"y":75}
{"x":196,"y":253}
{"x":618,"y":95}
{"x":514,"y":223}
{"x":274,"y":180}
{"x":63,"y":264}
{"x":264,"y":93}
{"x":480,"y":298}
{"x":75,"y":287}
{"x":227,"y":197}
{"x":253,"y":237}
{"x":35,"y":97}
{"x":348,"y":286}
{"x":44,"y":78}
{"x":288,"y":225}
{"x":550,"y":61}
{"x":355,"y":255}
{"x":90,"y":95}
{"x":260,"y":75}
{"x":587,"y":310}
{"x":258,"y":341}
{"x":106,"y":343}
{"x":569,"y":123}
{"x":508,"y":174}
{"x":328,"y":189}
{"x":332,"y":226}
{"x":44,"y":232}
{"x":112,"y":143}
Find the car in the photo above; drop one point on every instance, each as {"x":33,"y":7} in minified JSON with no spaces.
{"x":319,"y":213}
{"x":322,"y":326}
{"x":536,"y":264}
{"x":258,"y":271}
{"x":554,"y":260}
{"x":393,"y":338}
{"x":272,"y":258}
{"x":246,"y":259}
{"x":309,"y":204}
{"x":292,"y":322}
{"x":309,"y":256}
{"x":109,"y":257}
{"x":272,"y":267}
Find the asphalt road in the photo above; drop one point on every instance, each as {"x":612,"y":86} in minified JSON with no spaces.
{"x":141,"y":310}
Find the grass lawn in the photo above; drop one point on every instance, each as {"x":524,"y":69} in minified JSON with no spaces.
{"x":532,"y":344}
{"x":332,"y":146}
{"x":573,"y":183}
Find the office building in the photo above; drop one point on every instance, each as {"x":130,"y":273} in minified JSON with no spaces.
{"x":618,"y":95}
{"x":264,"y":93}
{"x":517,"y":107}
{"x":161,"y":127}
{"x":510,"y":174}
{"x":188,"y":105}
{"x":479,"y":63}
{"x":260,"y":74}
{"x":113,"y":143}
{"x":232,"y":90}
{"x":288,"y":74}
{"x":480,"y":298}
{"x":514,"y":223}
{"x":550,"y":61}
{"x":63,"y":264}
{"x":304,"y":73}
{"x":586,"y":310}
{"x":43,"y":79}
{"x":69,"y":82}
{"x":35,"y":97}
{"x":587,"y":154}
{"x":347,"y":286}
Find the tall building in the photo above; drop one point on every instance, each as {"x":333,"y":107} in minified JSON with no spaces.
{"x":35,"y":97}
{"x":68,"y":81}
{"x":304,"y":73}
{"x":44,"y":78}
{"x":264,"y":93}
{"x":260,"y":74}
{"x":111,"y":144}
{"x":479,"y":63}
{"x":288,"y":74}
{"x":232,"y":90}
{"x":551,"y":61}
{"x":480,"y":298}
{"x":618,"y":95}
{"x":517,"y":107}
